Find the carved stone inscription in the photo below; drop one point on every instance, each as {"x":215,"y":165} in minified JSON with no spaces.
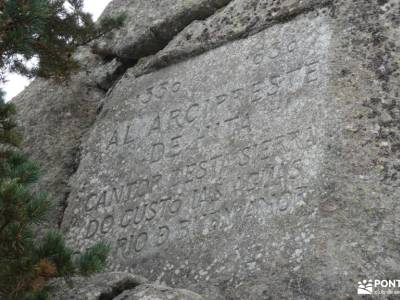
{"x":225,"y":142}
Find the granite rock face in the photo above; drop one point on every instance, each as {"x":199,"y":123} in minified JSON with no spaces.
{"x":252,"y":152}
{"x":150,"y":24}
{"x":236,"y":20}
{"x":100,"y":286}
{"x":116,"y":286}
{"x":174,"y":154}
{"x":53,"y":118}
{"x":155,"y":292}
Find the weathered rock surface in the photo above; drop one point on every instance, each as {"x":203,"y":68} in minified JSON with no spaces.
{"x":155,"y":292}
{"x":173,"y":155}
{"x":103,"y":286}
{"x":151,"y":24}
{"x":265,"y":168}
{"x":117,"y":286}
{"x":53,"y":118}
{"x":236,"y":20}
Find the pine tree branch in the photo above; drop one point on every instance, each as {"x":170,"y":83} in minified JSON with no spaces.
{"x":91,"y":39}
{"x":4,"y":226}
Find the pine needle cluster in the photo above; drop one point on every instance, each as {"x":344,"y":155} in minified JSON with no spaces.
{"x":49,"y":31}
{"x":26,"y":262}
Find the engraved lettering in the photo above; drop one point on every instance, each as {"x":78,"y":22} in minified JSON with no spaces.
{"x":238,"y":94}
{"x":274,"y":80}
{"x":113,"y":140}
{"x":191,"y":113}
{"x":175,"y":147}
{"x":162,"y":90}
{"x":126,"y":218}
{"x":274,"y":51}
{"x":121,"y":244}
{"x":92,"y":228}
{"x":140,"y":213}
{"x":176,"y":87}
{"x":152,"y":210}
{"x":266,"y":149}
{"x":184,"y":228}
{"x":107,"y":224}
{"x":143,"y":187}
{"x":292,"y":46}
{"x":89,"y":207}
{"x":157,"y":152}
{"x":208,"y":158}
{"x":156,"y":125}
{"x":174,"y":116}
{"x":163,"y":235}
{"x":175,"y":206}
{"x":256,"y":90}
{"x":148,"y":97}
{"x":221,"y":98}
{"x":141,"y":241}
{"x":189,"y":172}
{"x":203,"y":170}
{"x":244,"y":157}
{"x":128,"y":139}
{"x":118,"y":197}
{"x":311,"y":75}
{"x":163,"y":202}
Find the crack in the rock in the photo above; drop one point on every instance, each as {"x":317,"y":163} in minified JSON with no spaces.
{"x":163,"y":33}
{"x":186,"y":18}
{"x":119,"y":288}
{"x":155,"y":62}
{"x":117,"y":75}
{"x":162,"y":39}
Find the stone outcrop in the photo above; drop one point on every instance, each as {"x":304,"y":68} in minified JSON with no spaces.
{"x":54,"y":117}
{"x":151,"y":24}
{"x":243,"y":149}
{"x":149,"y":291}
{"x":116,"y":286}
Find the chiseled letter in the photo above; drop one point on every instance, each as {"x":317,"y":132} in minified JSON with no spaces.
{"x":157,"y":152}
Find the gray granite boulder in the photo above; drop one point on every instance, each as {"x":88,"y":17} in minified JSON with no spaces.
{"x":53,"y":117}
{"x":97,"y":287}
{"x":156,"y":292}
{"x":117,"y":286}
{"x":236,"y":20}
{"x":253,"y":149}
{"x":151,"y":24}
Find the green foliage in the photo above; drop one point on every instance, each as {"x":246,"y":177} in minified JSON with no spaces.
{"x":53,"y":247}
{"x":8,"y":132}
{"x":26,"y":263}
{"x":49,"y":30}
{"x":92,"y":261}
